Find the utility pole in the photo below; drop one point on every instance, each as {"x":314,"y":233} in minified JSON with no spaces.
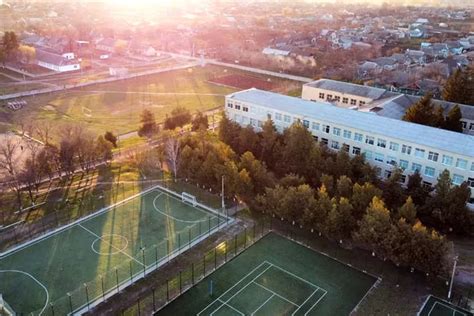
{"x":452,"y":277}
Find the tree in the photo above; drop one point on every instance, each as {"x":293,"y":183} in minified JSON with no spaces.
{"x":149,"y":127}
{"x":110,"y":137}
{"x":200,"y":122}
{"x":120,"y":47}
{"x":418,"y":191}
{"x":172,"y":150}
{"x":269,"y":144}
{"x":393,"y":193}
{"x":261,"y":178}
{"x":344,"y":187}
{"x":248,"y":141}
{"x":103,"y":149}
{"x":453,"y":120}
{"x":27,"y":53}
{"x":455,"y":88}
{"x":179,"y":117}
{"x":408,"y":211}
{"x":340,"y":221}
{"x":229,"y":132}
{"x":10,"y":44}
{"x":421,"y":112}
{"x":362,"y":196}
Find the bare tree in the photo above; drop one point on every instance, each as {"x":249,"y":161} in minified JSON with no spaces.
{"x":9,"y":164}
{"x":172,"y":154}
{"x":44,"y":131}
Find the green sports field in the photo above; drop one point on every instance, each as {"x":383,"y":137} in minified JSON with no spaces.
{"x":435,"y":306}
{"x":276,"y":276}
{"x":99,"y":255}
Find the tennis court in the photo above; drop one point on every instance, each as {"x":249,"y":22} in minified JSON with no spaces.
{"x":435,"y":306}
{"x":91,"y":259}
{"x":276,"y":276}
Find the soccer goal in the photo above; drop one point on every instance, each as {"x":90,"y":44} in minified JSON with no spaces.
{"x":5,"y":309}
{"x":188,"y":198}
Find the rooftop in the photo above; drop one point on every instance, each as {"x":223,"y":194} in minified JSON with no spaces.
{"x":453,"y":142}
{"x":348,"y":88}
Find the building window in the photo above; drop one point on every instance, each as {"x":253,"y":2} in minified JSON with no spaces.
{"x":433,"y":156}
{"x":326,"y":128}
{"x":416,"y":167}
{"x":334,"y":145}
{"x":345,"y":100}
{"x":336,"y":131}
{"x":394,"y":146}
{"x":353,"y":101}
{"x":378,"y":157}
{"x":260,"y":124}
{"x":472,"y":166}
{"x":461,"y":163}
{"x":230,"y":105}
{"x":447,"y":160}
{"x":306,"y":123}
{"x":325,"y":141}
{"x":378,"y":171}
{"x":237,"y":107}
{"x":245,"y":109}
{"x":278,"y":116}
{"x":457,"y":179}
{"x":420,"y":153}
{"x":315,"y":126}
{"x":471,"y":126}
{"x":381,"y":143}
{"x":369,"y":140}
{"x":321,"y":95}
{"x":387,"y":174}
{"x":464,"y":124}
{"x":356,"y":150}
{"x":295,"y":119}
{"x":337,"y":98}
{"x":429,"y":172}
{"x":406,"y":149}
{"x":368,"y":154}
{"x":403,"y":164}
{"x":253,"y":122}
{"x":470,"y":181}
{"x":392,"y":160}
{"x":358,"y":137}
{"x":347,"y":134}
{"x":245,"y":120}
{"x":346,"y":147}
{"x":361,"y":103}
{"x":403,"y":178}
{"x":287,"y":119}
{"x":329,"y":96}
{"x":269,"y":116}
{"x":315,"y":138}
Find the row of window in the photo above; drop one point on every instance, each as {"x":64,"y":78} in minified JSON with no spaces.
{"x":464,"y":125}
{"x":345,"y":100}
{"x":370,"y":140}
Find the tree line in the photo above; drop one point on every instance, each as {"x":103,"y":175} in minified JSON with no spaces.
{"x":27,"y":164}
{"x":293,"y":177}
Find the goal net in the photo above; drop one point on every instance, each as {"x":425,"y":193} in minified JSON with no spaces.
{"x":188,"y":198}
{"x":5,"y":309}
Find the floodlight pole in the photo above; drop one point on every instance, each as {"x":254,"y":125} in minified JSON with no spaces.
{"x":223,"y":202}
{"x":452,"y":277}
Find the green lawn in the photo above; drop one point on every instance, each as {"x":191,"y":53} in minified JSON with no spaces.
{"x":117,"y":106}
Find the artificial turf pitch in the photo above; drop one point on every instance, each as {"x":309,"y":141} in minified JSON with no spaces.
{"x":276,"y":276}
{"x":435,"y":306}
{"x":105,"y":252}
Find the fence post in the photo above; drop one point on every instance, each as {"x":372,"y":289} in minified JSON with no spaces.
{"x":179,"y":242}
{"x":87,"y":295}
{"x":116,"y":277}
{"x":167,"y":291}
{"x":168,"y":251}
{"x":52,"y":308}
{"x":254,"y":233}
{"x":200,"y":228}
{"x":225,"y":251}
{"x":144,"y":262}
{"x":156,"y":257}
{"x":215,"y":258}
{"x":192,"y":273}
{"x":189,"y":241}
{"x":204,"y":263}
{"x":70,"y":301}
{"x":209,"y":225}
{"x":154,"y":300}
{"x":102,"y":286}
{"x":245,"y":239}
{"x":131,"y":272}
{"x":235,"y":245}
{"x":180,"y":282}
{"x":138,"y":305}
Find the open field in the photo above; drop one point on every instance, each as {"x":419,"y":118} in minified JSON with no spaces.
{"x":117,"y":106}
{"x":266,"y":279}
{"x":105,"y":251}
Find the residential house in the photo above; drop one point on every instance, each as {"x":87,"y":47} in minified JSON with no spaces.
{"x":56,"y":62}
{"x":455,"y":47}
{"x":280,"y":51}
{"x":416,"y":56}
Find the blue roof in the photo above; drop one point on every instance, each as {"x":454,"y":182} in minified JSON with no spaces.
{"x":453,"y":142}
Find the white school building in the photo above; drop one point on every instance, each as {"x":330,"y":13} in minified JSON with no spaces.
{"x":384,"y":141}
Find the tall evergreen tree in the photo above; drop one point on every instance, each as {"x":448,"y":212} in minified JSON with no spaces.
{"x":454,"y":88}
{"x":453,"y":120}
{"x":421,"y":112}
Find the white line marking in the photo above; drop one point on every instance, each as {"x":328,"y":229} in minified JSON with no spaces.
{"x":111,"y":252}
{"x":305,"y":301}
{"x":317,"y":302}
{"x":447,"y":306}
{"x":36,"y":280}
{"x":177,"y":219}
{"x":91,"y":232}
{"x":294,"y":275}
{"x":266,"y":301}
{"x":276,"y":294}
{"x":236,"y":285}
{"x":235,"y":309}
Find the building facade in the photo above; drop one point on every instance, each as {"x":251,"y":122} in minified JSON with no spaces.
{"x":386,"y":143}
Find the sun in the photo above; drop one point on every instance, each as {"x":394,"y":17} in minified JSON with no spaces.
{"x":135,"y":3}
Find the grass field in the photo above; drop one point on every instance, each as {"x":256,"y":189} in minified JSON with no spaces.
{"x":99,"y":255}
{"x":117,"y":106}
{"x":276,"y":276}
{"x":434,"y":306}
